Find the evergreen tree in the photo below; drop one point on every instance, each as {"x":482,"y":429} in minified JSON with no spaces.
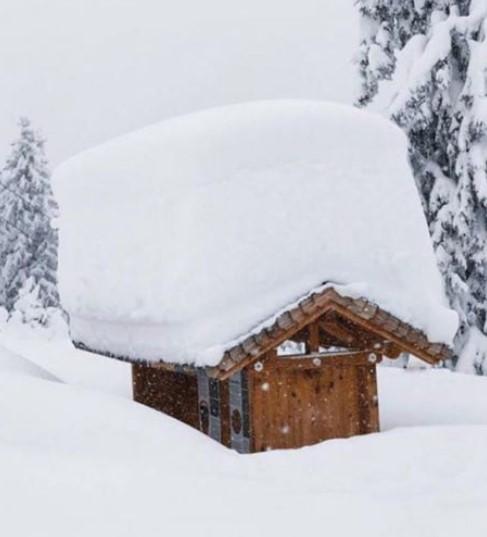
{"x":441,"y":104}
{"x":28,"y":242}
{"x":386,"y":25}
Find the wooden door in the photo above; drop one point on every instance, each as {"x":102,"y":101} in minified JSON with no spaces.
{"x":296,"y":403}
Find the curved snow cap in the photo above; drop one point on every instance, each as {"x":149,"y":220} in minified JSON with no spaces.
{"x":181,"y":237}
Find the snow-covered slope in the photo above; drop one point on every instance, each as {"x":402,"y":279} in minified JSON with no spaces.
{"x":76,"y":462}
{"x":50,"y":354}
{"x":178,"y":238}
{"x":11,"y":362}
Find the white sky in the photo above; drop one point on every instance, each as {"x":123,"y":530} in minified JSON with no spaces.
{"x":88,"y":70}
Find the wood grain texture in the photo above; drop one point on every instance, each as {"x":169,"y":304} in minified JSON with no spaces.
{"x":298,"y":404}
{"x":175,"y":394}
{"x":225,"y":413}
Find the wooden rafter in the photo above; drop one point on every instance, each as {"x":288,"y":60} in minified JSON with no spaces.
{"x":344,"y":335}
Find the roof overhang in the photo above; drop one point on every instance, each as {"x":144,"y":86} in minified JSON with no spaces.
{"x":394,"y":336}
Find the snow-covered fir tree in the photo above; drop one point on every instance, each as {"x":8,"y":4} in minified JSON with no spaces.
{"x":28,"y":241}
{"x":429,"y":58}
{"x":386,"y":25}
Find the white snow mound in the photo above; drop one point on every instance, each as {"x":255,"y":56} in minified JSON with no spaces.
{"x":179,"y":238}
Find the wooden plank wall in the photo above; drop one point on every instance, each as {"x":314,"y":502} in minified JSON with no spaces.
{"x":173,"y":393}
{"x":293,"y":402}
{"x":294,"y":405}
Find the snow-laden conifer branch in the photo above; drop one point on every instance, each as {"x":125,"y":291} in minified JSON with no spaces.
{"x":437,"y":94}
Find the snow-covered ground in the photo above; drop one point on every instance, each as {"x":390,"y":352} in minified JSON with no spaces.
{"x":54,"y":352}
{"x":77,"y":458}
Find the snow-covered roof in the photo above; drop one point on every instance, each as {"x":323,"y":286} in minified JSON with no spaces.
{"x":360,"y":323}
{"x":180,"y":238}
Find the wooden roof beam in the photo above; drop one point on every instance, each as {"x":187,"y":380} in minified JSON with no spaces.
{"x":330,"y":326}
{"x":386,"y":333}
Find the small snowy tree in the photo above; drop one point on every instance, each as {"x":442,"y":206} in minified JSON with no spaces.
{"x":28,"y":308}
{"x":441,"y":103}
{"x":28,"y":242}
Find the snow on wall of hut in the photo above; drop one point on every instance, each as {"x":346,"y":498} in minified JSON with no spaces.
{"x":178,"y":238}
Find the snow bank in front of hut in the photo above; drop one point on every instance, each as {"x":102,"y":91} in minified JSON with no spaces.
{"x":78,"y":462}
{"x":179,"y":238}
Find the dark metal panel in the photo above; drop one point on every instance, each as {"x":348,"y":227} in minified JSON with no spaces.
{"x":239,"y":412}
{"x":209,"y":404}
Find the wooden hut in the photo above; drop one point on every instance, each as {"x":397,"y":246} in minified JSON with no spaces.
{"x":217,"y":252}
{"x":308,"y":376}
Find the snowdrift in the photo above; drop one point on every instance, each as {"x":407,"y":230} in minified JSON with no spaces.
{"x":178,"y":238}
{"x":82,"y":463}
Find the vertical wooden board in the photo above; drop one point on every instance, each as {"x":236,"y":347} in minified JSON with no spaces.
{"x":328,"y":403}
{"x":336,"y":407}
{"x":138,"y":382}
{"x":339,"y":403}
{"x":356,"y":402}
{"x":268,"y":398}
{"x":300,"y":407}
{"x":324,"y":396}
{"x":313,"y":339}
{"x":225,"y":413}
{"x":373,"y":399}
{"x":293,"y":408}
{"x":253,"y":405}
{"x":280,"y":426}
{"x":273,"y":409}
{"x":335,"y":402}
{"x":308,"y":402}
{"x":255,"y":434}
{"x":346,"y":402}
{"x":316,"y":404}
{"x":363,"y":398}
{"x":287,"y":401}
{"x":353,"y":401}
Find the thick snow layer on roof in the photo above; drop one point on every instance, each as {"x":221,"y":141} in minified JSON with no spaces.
{"x":177,"y":239}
